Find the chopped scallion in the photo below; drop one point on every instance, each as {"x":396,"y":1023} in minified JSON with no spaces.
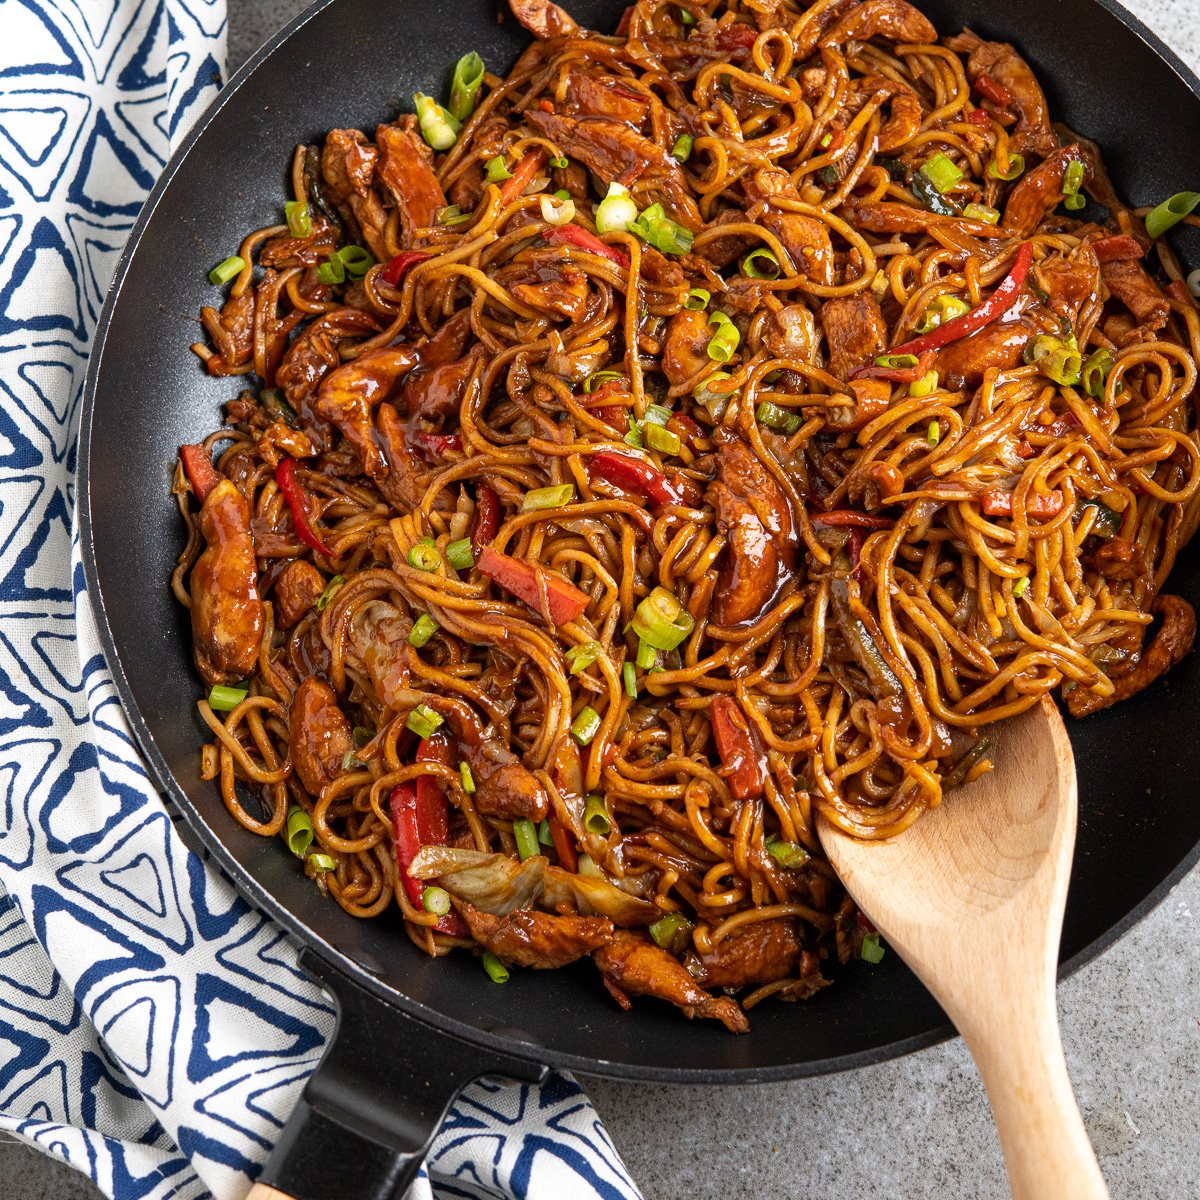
{"x":497,"y":170}
{"x":332,"y":588}
{"x":497,"y":972}
{"x":682,"y":150}
{"x":672,"y":932}
{"x":697,"y":299}
{"x":925,"y":385}
{"x":1021,"y":587}
{"x":724,"y":343}
{"x":933,"y":434}
{"x":331,"y":272}
{"x":545,"y":837}
{"x":464,"y":89}
{"x":774,"y":417}
{"x":661,"y":621}
{"x":461,"y":554}
{"x":1016,"y":168}
{"x":299,"y":219}
{"x":596,"y":817}
{"x":548,"y":497}
{"x":871,"y":949}
{"x":897,"y":361}
{"x":224,"y":271}
{"x":222,"y":698}
{"x":560,"y":162}
{"x":525,"y":833}
{"x":982,"y":212}
{"x":439,"y":128}
{"x":597,"y":378}
{"x":424,"y":627}
{"x":423,"y":721}
{"x":629,"y":678}
{"x":617,"y":211}
{"x":656,"y":228}
{"x":787,"y":854}
{"x":647,"y":656}
{"x":1171,"y":212}
{"x":580,"y":657}
{"x":424,"y":557}
{"x":299,"y":831}
{"x":657,"y":414}
{"x":356,"y":261}
{"x":1096,"y":371}
{"x":587,"y":866}
{"x":941,"y":171}
{"x":586,"y":725}
{"x":436,"y":900}
{"x":322,"y":862}
{"x":940,"y":310}
{"x":468,"y":780}
{"x":665,"y":441}
{"x":761,"y":264}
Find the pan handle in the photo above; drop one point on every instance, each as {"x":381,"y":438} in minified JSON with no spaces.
{"x":368,"y":1113}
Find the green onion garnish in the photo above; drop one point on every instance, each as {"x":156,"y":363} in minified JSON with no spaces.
{"x":331,"y":272}
{"x":580,"y":657}
{"x":826,"y":141}
{"x":299,"y":220}
{"x":322,"y":862}
{"x":596,"y":378}
{"x":1169,"y":212}
{"x":225,"y":699}
{"x":545,"y":837}
{"x":595,"y":814}
{"x":497,"y":170}
{"x":424,"y":557}
{"x":787,"y":854}
{"x":697,"y":299}
{"x":982,"y":212}
{"x":617,"y":211}
{"x":436,"y":900}
{"x":464,"y":90}
{"x":933,"y":434}
{"x":424,"y":627}
{"x":634,"y":436}
{"x":1016,"y":168}
{"x":497,"y":972}
{"x":1096,"y":371}
{"x":774,"y":417}
{"x":223,"y":272}
{"x":299,"y":832}
{"x":468,"y":780}
{"x":1056,"y":359}
{"x":647,"y":657}
{"x":715,"y":402}
{"x":548,"y":497}
{"x":460,"y":554}
{"x":724,"y":343}
{"x":657,"y":414}
{"x":871,"y":949}
{"x":525,"y":833}
{"x":661,"y":621}
{"x":423,"y":721}
{"x":940,"y":310}
{"x":941,"y":172}
{"x":1020,"y":587}
{"x":665,"y":441}
{"x":586,"y":725}
{"x":682,"y":150}
{"x":686,"y":18}
{"x":761,"y":264}
{"x":629,"y":678}
{"x":898,"y":361}
{"x":332,"y":588}
{"x":561,"y":213}
{"x":439,"y":128}
{"x":925,"y":385}
{"x":560,"y":162}
{"x":672,"y":932}
{"x":356,"y":261}
{"x":656,"y":228}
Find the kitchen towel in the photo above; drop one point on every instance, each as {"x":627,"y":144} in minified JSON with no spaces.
{"x":154,"y":1029}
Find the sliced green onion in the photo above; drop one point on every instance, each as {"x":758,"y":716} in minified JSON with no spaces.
{"x":871,"y":949}
{"x":787,"y":854}
{"x":647,"y":656}
{"x":1073,"y":178}
{"x":934,"y":433}
{"x":656,"y":228}
{"x":436,"y":900}
{"x":826,"y":141}
{"x":545,"y":837}
{"x":464,"y":89}
{"x":299,"y":219}
{"x":982,"y":212}
{"x":1096,"y":371}
{"x":617,"y":211}
{"x":299,"y":831}
{"x":661,"y":621}
{"x":672,"y":932}
{"x":461,"y":554}
{"x":580,"y":657}
{"x":724,"y":343}
{"x":222,"y":698}
{"x":657,"y":414}
{"x":587,"y":866}
{"x":719,"y":318}
{"x":901,"y":361}
{"x":596,"y":818}
{"x":715,"y":402}
{"x":1074,"y":200}
{"x":770,"y":268}
{"x":424,"y":627}
{"x":1056,"y":359}
{"x":940,"y":310}
{"x":223,"y":272}
{"x":1169,"y":212}
{"x":424,"y":557}
{"x":562,"y":194}
{"x":497,"y":170}
{"x":548,"y":497}
{"x":1016,"y":168}
{"x":598,"y":378}
{"x":322,"y":862}
{"x":560,"y":162}
{"x":356,"y":261}
{"x":1021,"y":587}
{"x":941,"y":172}
{"x":774,"y":417}
{"x":686,"y":18}
{"x":525,"y":833}
{"x":497,"y":972}
{"x":423,"y":721}
{"x":925,"y":385}
{"x":682,"y":150}
{"x":629,"y":678}
{"x":331,"y":589}
{"x":586,"y":725}
{"x":468,"y":780}
{"x":451,"y":215}
{"x":439,"y":128}
{"x":697,"y":299}
{"x":331,"y":271}
{"x":634,"y":436}
{"x":561,"y":213}
{"x":665,"y":441}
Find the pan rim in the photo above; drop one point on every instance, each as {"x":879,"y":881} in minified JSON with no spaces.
{"x":258,"y":896}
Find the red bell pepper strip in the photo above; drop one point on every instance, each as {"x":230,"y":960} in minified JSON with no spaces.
{"x":1118,"y":248}
{"x":996,"y":305}
{"x":572,"y":235}
{"x":398,"y":267}
{"x":741,"y":757}
{"x":487,"y":516}
{"x":297,"y":502}
{"x":433,"y":447}
{"x":563,"y":845}
{"x":524,"y":174}
{"x":980,"y":117}
{"x":999,"y":503}
{"x":634,"y":475}
{"x":841,"y":517}
{"x":563,"y":601}
{"x":994,"y":91}
{"x":433,"y":813}
{"x":896,"y":374}
{"x":406,"y":828}
{"x":202,"y":475}
{"x":613,"y":415}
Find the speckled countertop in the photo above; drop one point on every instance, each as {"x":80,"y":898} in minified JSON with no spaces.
{"x":917,"y":1128}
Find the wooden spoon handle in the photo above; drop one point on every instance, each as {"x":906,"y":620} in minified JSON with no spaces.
{"x":1046,"y":1148}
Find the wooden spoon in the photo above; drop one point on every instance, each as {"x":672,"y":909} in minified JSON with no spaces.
{"x":972,"y":898}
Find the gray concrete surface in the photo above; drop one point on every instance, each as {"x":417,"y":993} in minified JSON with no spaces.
{"x":917,"y":1128}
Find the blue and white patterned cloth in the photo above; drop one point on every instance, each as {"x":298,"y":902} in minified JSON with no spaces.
{"x":154,"y":1029}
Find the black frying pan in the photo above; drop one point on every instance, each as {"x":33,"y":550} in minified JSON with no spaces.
{"x":408,"y":1022}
